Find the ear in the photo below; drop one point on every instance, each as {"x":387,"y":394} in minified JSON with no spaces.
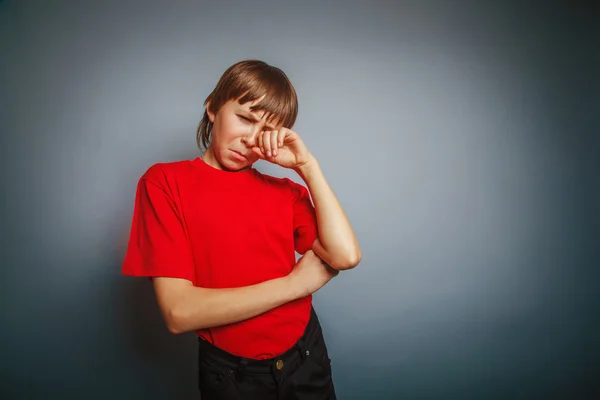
{"x":211,"y":115}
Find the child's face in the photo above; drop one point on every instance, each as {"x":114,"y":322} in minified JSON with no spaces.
{"x":234,"y":133}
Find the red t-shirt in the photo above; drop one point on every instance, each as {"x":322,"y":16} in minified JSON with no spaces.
{"x":222,"y":229}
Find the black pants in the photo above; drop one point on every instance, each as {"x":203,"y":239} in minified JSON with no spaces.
{"x":303,"y":372}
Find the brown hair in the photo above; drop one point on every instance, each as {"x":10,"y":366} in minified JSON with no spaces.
{"x":246,"y":81}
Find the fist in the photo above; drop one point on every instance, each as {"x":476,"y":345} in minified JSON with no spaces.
{"x":283,"y":147}
{"x":311,"y":274}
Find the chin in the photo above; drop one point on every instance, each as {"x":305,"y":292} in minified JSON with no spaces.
{"x":229,"y":165}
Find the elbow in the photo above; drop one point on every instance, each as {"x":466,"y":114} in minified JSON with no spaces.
{"x":175,"y":330}
{"x":340,"y":258}
{"x":348,"y":262}
{"x":175,"y":301}
{"x":176,"y":321}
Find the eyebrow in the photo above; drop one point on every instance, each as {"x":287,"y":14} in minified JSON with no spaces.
{"x":253,"y":118}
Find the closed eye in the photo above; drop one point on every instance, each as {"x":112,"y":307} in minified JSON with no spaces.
{"x":249,"y":120}
{"x":244,"y":118}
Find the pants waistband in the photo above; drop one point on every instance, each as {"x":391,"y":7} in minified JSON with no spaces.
{"x":265,"y":366}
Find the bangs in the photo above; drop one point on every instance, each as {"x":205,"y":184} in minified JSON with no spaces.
{"x":249,"y":81}
{"x":278,"y":105}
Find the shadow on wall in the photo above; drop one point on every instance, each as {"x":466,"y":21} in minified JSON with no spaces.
{"x":155,"y":363}
{"x":167,"y":363}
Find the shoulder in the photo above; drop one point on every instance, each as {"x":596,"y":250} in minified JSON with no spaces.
{"x":283,"y":184}
{"x":164,"y":174}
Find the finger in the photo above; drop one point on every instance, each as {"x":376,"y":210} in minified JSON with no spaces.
{"x":274,"y":147}
{"x":260,"y":142}
{"x":281,"y":137}
{"x":267,"y":143}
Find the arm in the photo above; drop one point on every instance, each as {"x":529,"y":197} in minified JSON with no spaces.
{"x":186,"y":307}
{"x":337,"y":244}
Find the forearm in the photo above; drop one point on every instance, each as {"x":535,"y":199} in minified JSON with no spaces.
{"x":199,"y":308}
{"x":337,"y":244}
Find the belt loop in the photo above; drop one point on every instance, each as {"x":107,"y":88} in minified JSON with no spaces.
{"x":301,"y":348}
{"x":241,"y":368}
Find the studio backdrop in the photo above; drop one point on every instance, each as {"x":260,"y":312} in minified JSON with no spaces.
{"x":458,"y":137}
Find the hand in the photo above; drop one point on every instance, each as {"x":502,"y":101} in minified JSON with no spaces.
{"x":311,"y":274}
{"x":283,"y":147}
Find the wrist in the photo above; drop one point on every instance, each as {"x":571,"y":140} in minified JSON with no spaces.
{"x":292,"y":288}
{"x":310,"y":165}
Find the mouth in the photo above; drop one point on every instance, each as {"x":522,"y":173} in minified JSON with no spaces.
{"x":239,"y":155}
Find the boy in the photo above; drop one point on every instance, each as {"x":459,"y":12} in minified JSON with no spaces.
{"x":218,"y":240}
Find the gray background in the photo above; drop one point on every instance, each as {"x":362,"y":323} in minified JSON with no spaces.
{"x":458,"y":137}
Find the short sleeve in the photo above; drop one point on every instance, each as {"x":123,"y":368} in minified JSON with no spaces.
{"x":158,"y":244}
{"x":305,"y":219}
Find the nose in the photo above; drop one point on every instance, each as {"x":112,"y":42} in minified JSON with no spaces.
{"x":250,"y":138}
